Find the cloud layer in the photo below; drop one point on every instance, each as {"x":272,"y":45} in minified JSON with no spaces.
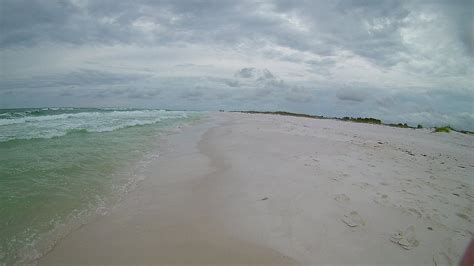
{"x":396,"y":60}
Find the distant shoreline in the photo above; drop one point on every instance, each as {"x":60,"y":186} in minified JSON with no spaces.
{"x":367,"y":120}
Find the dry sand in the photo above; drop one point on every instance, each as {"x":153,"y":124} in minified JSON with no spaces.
{"x":267,"y":189}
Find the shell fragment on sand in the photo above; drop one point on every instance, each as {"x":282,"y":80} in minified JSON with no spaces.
{"x":405,"y":239}
{"x":342,"y":198}
{"x":353,"y":219}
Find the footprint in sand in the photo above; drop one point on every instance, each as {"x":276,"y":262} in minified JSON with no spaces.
{"x":441,"y":258}
{"x":342,"y":198}
{"x":406,"y":239}
{"x":363,"y":185}
{"x":340,"y":176}
{"x":463,"y":216}
{"x":414,"y":212}
{"x":353,"y":219}
{"x":381,"y":199}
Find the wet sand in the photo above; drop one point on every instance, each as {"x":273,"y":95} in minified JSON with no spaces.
{"x":267,"y":189}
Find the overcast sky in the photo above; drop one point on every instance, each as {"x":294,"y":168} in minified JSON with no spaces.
{"x":401,"y":61}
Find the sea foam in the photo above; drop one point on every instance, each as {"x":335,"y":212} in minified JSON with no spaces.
{"x":51,"y":123}
{"x":60,"y":167}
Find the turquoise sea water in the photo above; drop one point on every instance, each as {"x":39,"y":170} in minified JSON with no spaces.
{"x":62,"y":166}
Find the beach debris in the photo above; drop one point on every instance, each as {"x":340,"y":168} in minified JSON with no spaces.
{"x":342,"y":198}
{"x":406,"y":239}
{"x":353,"y":219}
{"x":265,"y":198}
{"x":379,"y":142}
{"x":430,"y":228}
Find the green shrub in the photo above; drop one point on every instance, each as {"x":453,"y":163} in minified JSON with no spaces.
{"x":442,"y":129}
{"x":399,"y":125}
{"x":369,"y":120}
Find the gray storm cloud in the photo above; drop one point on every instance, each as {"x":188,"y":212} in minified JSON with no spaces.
{"x":351,"y":95}
{"x":407,"y":60}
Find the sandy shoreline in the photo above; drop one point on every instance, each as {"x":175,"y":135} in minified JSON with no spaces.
{"x":242,"y":188}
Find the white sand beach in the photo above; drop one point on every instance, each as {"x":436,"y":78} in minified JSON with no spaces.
{"x":266,"y":189}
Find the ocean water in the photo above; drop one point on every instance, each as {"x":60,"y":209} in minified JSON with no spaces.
{"x":60,"y":167}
